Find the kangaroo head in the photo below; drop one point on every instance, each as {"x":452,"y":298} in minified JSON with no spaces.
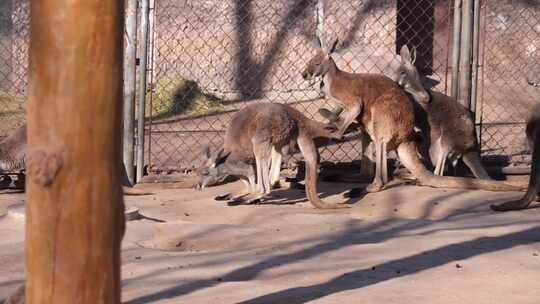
{"x":408,"y":78}
{"x":209,"y":173}
{"x":321,"y":62}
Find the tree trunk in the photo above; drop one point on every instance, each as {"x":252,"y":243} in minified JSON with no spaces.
{"x":75,"y":219}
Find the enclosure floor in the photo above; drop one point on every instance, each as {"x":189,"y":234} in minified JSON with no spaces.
{"x":404,"y":245}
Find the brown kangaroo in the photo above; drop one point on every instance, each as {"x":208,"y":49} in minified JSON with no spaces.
{"x":387,"y":115}
{"x":264,"y":132}
{"x":382,"y":108}
{"x":533,"y":190}
{"x":13,"y":159}
{"x":447,"y":126}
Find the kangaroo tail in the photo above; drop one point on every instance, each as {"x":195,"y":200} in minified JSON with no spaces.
{"x":310,"y":155}
{"x":465,"y":183}
{"x":133,"y":191}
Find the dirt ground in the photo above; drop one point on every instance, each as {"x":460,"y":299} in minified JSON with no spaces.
{"x":407,"y":244}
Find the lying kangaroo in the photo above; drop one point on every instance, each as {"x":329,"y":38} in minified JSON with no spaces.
{"x":533,"y":190}
{"x":13,"y":159}
{"x":264,"y":132}
{"x":447,"y":127}
{"x":17,"y":297}
{"x":387,"y":115}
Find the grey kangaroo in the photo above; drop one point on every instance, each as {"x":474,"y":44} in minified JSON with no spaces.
{"x":447,"y":127}
{"x":13,"y":159}
{"x":533,"y":190}
{"x":259,"y":134}
{"x":385,"y":111}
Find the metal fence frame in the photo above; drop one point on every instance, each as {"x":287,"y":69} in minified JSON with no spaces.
{"x":318,"y":15}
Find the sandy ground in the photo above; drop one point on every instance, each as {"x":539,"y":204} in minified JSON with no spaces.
{"x":407,"y":244}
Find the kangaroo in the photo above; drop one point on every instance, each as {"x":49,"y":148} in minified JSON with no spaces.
{"x":382,"y":108}
{"x":17,"y":297}
{"x":535,"y":84}
{"x":387,"y":114}
{"x":447,"y":126}
{"x":264,"y":132}
{"x":13,"y":159}
{"x":532,"y":131}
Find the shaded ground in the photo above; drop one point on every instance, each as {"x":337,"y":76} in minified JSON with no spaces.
{"x":404,"y":245}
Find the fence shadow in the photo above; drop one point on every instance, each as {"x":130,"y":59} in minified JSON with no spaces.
{"x":357,"y":233}
{"x":410,"y":265}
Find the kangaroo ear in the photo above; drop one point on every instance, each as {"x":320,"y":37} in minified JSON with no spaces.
{"x":334,"y":46}
{"x":328,"y":115}
{"x":206,"y":152}
{"x":429,"y":82}
{"x":320,"y":43}
{"x":413,"y":55}
{"x":317,"y":43}
{"x":405,"y":54}
{"x":220,"y":157}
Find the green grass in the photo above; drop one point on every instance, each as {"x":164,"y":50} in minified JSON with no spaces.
{"x":11,"y":105}
{"x":176,"y":95}
{"x":12,"y":112}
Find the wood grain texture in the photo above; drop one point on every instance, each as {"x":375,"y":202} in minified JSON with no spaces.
{"x":75,"y":219}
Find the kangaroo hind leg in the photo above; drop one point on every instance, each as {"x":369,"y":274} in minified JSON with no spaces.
{"x":275,"y":168}
{"x":472,"y":160}
{"x":236,"y":195}
{"x":378,"y":181}
{"x":384,"y":160}
{"x":262,"y":152}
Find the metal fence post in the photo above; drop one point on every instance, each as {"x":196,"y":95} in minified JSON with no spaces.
{"x":475,"y":55}
{"x":456,"y":47}
{"x":143,"y":55}
{"x":130,"y":70}
{"x":320,"y":21}
{"x":464,"y":93}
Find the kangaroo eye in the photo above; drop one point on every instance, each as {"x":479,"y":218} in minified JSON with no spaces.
{"x":204,"y":172}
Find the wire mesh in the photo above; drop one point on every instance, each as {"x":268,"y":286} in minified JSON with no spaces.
{"x":511,"y":55}
{"x":14,"y":38}
{"x":211,"y":58}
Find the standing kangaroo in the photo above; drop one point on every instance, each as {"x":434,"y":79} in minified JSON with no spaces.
{"x":533,"y":190}
{"x":264,"y":132}
{"x":13,"y":159}
{"x":447,"y":127}
{"x":382,"y":108}
{"x":387,"y":114}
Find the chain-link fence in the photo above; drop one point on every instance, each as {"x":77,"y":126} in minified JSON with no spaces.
{"x":14,"y":38}
{"x":511,"y":58}
{"x":211,"y":58}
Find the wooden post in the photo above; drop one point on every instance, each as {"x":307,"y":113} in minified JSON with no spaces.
{"x":75,"y":218}
{"x":130,"y":58}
